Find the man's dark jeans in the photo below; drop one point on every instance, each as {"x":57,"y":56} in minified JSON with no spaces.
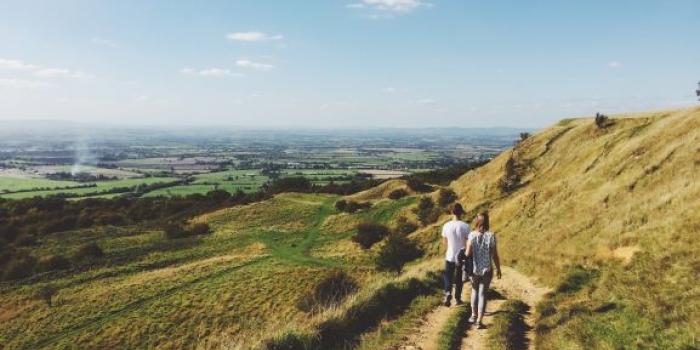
{"x":453,"y":274}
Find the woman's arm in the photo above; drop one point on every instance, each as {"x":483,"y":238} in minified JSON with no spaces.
{"x":496,"y":260}
{"x":469,"y":248}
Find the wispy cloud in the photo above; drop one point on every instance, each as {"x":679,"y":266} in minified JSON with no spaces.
{"x":210,"y":72}
{"x":253,"y":36}
{"x":246,"y":63}
{"x":61,"y":73}
{"x":23,"y":84}
{"x":614,"y":64}
{"x":42,"y":72}
{"x":389,"y":90}
{"x":426,"y":101}
{"x":104,"y":42}
{"x":391,"y":6}
{"x":16,"y":65}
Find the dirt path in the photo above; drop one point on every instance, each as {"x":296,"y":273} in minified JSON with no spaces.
{"x":426,"y":336}
{"x":513,"y":285}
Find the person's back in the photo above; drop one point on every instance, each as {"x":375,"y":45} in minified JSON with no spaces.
{"x":455,"y":233}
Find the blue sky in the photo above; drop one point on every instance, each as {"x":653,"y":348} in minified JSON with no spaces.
{"x":337,"y":63}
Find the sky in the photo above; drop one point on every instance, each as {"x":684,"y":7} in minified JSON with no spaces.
{"x":344,"y":63}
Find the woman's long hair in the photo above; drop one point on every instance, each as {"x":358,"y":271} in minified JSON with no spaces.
{"x":482,"y":221}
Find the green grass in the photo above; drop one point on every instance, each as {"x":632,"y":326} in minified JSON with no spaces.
{"x":456,"y":326}
{"x":507,"y":331}
{"x":148,"y":291}
{"x":12,"y":183}
{"x":101,"y":186}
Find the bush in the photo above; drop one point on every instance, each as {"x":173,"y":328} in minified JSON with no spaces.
{"x":601,"y":120}
{"x":368,"y":234}
{"x":47,"y":293}
{"x":405,"y":227}
{"x":418,"y":185}
{"x":398,"y":194}
{"x":446,"y":196}
{"x":524,"y":136}
{"x":53,"y":263}
{"x":331,"y":290}
{"x":426,"y":211}
{"x":341,"y":205}
{"x":352,"y":207}
{"x":199,"y":229}
{"x":396,"y":252}
{"x":19,"y":267}
{"x":174,"y":231}
{"x":89,"y":252}
{"x":25,"y":240}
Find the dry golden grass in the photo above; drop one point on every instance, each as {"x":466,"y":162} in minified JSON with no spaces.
{"x":380,"y":192}
{"x":624,"y":200}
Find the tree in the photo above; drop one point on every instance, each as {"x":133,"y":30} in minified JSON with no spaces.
{"x":369,"y":233}
{"x":601,"y":120}
{"x":524,"y":136}
{"x":396,"y":252}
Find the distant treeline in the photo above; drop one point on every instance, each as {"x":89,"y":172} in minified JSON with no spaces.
{"x":444,"y":176}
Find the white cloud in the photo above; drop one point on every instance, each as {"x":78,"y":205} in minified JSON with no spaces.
{"x":43,"y":72}
{"x":16,"y":65}
{"x":23,"y":84}
{"x":253,"y":37}
{"x":246,"y":63}
{"x":210,"y":72}
{"x":61,"y":73}
{"x":389,"y":90}
{"x":104,"y":42}
{"x":614,"y":64}
{"x":426,"y":101}
{"x":395,"y":6}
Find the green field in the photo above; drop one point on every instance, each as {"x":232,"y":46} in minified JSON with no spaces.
{"x":13,"y":183}
{"x":101,"y":187}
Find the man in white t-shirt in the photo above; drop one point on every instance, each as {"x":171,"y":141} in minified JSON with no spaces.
{"x":455,"y":233}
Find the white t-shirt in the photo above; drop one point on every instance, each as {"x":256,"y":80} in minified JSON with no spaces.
{"x":456,"y":232}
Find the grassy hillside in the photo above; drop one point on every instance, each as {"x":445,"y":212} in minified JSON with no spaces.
{"x":609,"y":215}
{"x":239,"y":284}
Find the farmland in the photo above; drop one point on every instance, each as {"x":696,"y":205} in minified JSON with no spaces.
{"x":177,"y":163}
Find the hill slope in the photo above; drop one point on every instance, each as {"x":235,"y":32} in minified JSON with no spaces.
{"x":612,"y":216}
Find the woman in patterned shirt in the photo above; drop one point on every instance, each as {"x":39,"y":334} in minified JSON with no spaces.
{"x":482,"y":244}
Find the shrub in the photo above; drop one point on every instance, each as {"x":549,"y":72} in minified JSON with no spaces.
{"x":601,"y":120}
{"x":89,"y":252}
{"x":199,"y":229}
{"x":396,"y":252}
{"x":446,"y":196}
{"x":25,"y":240}
{"x":369,"y":233}
{"x":352,"y":207}
{"x":398,"y":194}
{"x":524,"y":136}
{"x":426,"y":211}
{"x":418,"y":185}
{"x":47,"y":293}
{"x":174,"y":231}
{"x":19,"y":267}
{"x":331,"y":290}
{"x":52,"y":263}
{"x":341,"y":205}
{"x":405,"y":227}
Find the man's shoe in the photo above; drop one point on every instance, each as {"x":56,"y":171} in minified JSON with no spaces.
{"x":448,"y":299}
{"x":458,"y":302}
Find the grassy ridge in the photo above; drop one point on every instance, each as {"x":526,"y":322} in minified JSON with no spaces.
{"x":623,"y":201}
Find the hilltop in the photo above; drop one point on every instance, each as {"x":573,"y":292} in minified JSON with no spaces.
{"x":609,"y":216}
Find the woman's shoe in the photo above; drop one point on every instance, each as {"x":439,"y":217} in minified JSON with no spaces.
{"x":472,"y":319}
